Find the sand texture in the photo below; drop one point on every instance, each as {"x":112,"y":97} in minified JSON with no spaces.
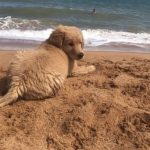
{"x":105,"y":110}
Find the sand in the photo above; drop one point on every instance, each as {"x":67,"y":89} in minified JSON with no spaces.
{"x":105,"y":110}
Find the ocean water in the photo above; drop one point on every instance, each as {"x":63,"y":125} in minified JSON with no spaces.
{"x":116,"y":22}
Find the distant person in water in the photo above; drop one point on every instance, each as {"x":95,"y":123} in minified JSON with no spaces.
{"x":94,"y":11}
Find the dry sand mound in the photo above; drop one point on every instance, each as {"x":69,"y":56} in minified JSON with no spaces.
{"x":108,"y":109}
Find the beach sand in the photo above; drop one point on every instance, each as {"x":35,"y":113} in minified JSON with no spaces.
{"x":105,"y":110}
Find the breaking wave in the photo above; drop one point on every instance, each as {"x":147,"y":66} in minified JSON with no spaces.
{"x":34,"y":30}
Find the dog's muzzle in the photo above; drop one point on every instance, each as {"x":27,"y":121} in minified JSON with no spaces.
{"x":80,"y":55}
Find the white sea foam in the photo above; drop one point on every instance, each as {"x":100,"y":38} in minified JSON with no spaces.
{"x":92,"y":37}
{"x":39,"y":35}
{"x":8,"y":23}
{"x":100,"y":37}
{"x":14,"y":28}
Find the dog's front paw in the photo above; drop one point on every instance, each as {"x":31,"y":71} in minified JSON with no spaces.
{"x":82,"y":70}
{"x":91,"y":68}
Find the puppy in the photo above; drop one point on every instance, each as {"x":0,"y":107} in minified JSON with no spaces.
{"x":40,"y":73}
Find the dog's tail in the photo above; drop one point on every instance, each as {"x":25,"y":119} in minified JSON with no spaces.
{"x":10,"y":97}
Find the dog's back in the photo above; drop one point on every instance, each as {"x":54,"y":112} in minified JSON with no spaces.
{"x":36,"y":74}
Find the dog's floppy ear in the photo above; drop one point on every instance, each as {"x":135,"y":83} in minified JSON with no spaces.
{"x":56,"y":38}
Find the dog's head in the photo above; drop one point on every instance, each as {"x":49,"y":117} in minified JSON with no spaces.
{"x":69,"y":39}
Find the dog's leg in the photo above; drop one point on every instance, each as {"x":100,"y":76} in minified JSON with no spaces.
{"x":72,"y":65}
{"x":83,"y":70}
{"x":80,"y":70}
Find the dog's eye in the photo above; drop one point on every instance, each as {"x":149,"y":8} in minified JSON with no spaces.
{"x":71,"y":44}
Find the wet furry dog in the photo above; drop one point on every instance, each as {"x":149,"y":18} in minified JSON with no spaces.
{"x":40,"y":73}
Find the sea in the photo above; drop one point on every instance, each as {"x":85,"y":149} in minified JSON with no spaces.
{"x":122,"y":25}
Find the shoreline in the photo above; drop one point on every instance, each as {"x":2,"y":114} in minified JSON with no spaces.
{"x":17,"y":44}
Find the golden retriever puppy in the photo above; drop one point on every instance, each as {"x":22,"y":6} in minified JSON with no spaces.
{"x":40,"y":73}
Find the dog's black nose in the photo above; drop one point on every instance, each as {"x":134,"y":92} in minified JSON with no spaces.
{"x":80,"y":55}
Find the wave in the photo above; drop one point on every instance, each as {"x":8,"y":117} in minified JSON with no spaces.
{"x":39,"y":35}
{"x":15,"y":28}
{"x":18,"y":23}
{"x":101,"y":37}
{"x":92,"y":38}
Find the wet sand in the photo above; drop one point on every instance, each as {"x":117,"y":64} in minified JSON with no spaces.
{"x":108,"y":109}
